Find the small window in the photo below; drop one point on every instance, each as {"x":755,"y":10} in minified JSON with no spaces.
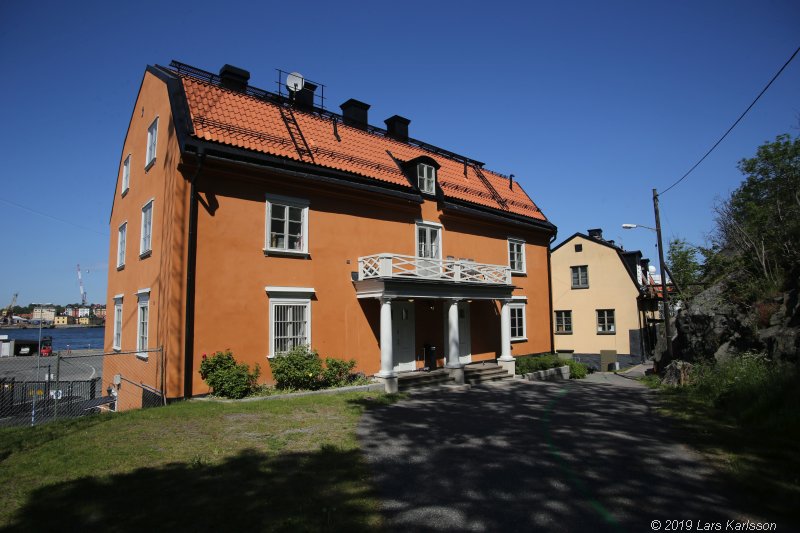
{"x":429,"y":241}
{"x":516,"y":255}
{"x":152,"y":140}
{"x":143,"y":324}
{"x":290,"y":324}
{"x":121,"y":241}
{"x":126,"y":175}
{"x":605,"y":322}
{"x":580,"y":277}
{"x":287,"y":225}
{"x":564,"y":322}
{"x":426,"y":178}
{"x":517,"y":321}
{"x":117,"y":323}
{"x":146,"y":245}
{"x":578,"y":247}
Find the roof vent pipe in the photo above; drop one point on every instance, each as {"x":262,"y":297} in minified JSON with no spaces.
{"x":304,"y":98}
{"x":234,"y":78}
{"x":354,"y":113}
{"x":511,"y":182}
{"x":397,"y":127}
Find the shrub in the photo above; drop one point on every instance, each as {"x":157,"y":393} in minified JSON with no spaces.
{"x":576,"y":370}
{"x":299,"y":368}
{"x":226,"y":377}
{"x":526,"y":365}
{"x":337,"y":372}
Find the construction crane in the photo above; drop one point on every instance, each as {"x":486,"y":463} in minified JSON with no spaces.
{"x":7,"y":316}
{"x":83,"y":291}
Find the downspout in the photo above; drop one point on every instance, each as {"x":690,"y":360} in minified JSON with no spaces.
{"x":550,"y":293}
{"x":188,"y":350}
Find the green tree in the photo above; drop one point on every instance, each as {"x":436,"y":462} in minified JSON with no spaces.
{"x":685,"y":268}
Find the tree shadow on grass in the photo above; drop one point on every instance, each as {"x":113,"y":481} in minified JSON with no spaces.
{"x":327,"y":490}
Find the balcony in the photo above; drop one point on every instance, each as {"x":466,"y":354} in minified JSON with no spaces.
{"x":406,"y":267}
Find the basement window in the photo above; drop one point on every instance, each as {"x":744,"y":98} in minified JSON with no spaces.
{"x":426,"y":178}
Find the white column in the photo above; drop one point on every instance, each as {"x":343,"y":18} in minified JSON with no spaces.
{"x":387,"y":363}
{"x":453,"y":344}
{"x":505,"y":331}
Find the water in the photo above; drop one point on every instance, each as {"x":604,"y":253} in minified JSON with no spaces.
{"x":76,"y":338}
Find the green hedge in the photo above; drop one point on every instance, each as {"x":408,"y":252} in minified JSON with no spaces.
{"x":535,"y":363}
{"x":226,"y":377}
{"x":301,"y":368}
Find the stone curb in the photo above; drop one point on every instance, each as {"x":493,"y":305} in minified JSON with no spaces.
{"x":372,"y":387}
{"x":551,"y":374}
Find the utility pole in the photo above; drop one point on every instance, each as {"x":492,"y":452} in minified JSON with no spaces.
{"x":664,"y":296}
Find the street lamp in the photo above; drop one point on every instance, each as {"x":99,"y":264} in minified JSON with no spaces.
{"x":633,"y":226}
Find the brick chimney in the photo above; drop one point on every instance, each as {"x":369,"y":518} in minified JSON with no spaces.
{"x":234,"y":78}
{"x":354,"y":113}
{"x":305,"y":97}
{"x":596,"y":233}
{"x":397,"y":127}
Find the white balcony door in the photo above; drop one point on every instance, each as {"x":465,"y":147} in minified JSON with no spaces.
{"x":464,"y":337}
{"x":428,"y":247}
{"x":403,"y":336}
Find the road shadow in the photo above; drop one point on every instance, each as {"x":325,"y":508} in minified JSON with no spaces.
{"x":521,"y":456}
{"x":252,"y":491}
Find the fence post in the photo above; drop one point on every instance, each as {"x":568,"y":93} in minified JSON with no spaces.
{"x":58,"y":388}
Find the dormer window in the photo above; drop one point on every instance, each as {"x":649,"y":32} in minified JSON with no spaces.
{"x":426,"y":178}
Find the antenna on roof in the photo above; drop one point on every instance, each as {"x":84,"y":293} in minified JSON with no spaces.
{"x":295,"y":82}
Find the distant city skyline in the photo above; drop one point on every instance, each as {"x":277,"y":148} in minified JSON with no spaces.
{"x":589,"y":105}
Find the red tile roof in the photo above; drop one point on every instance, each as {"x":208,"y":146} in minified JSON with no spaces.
{"x":244,"y":121}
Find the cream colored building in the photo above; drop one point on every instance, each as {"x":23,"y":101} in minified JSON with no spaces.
{"x":598,"y":303}
{"x":63,"y":320}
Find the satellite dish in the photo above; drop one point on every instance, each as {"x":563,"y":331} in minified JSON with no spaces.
{"x":652,"y":269}
{"x":295,"y":82}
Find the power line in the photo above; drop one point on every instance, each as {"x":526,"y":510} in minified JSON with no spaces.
{"x":34,"y":211}
{"x":734,"y":124}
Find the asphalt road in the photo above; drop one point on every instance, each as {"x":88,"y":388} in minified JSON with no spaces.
{"x":526,"y":456}
{"x":72,"y":368}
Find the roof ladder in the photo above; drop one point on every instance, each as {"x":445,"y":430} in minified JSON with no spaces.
{"x":497,"y":198}
{"x":299,"y":140}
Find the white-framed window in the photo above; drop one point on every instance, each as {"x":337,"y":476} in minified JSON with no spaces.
{"x":143,"y":319}
{"x":564,"y":322}
{"x":126,"y":175}
{"x":287,"y":225}
{"x":516,"y":255}
{"x":146,"y":244}
{"x":289,"y":324}
{"x":117,"y":343}
{"x":580,"y":277}
{"x":605,"y":322}
{"x":152,"y":141}
{"x":429,"y":240}
{"x":426,"y":178}
{"x":517,"y":311}
{"x":122,"y":237}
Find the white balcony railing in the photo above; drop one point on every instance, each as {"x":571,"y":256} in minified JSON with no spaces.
{"x":410,"y":267}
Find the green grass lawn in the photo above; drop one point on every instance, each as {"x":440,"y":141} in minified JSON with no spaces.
{"x":281,"y":465}
{"x":763,"y":467}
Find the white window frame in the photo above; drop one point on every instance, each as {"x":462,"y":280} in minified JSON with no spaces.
{"x":426,"y":178}
{"x":286,"y":201}
{"x":152,"y":144}
{"x":122,"y":243}
{"x":142,"y":303}
{"x":604,"y":328}
{"x":146,"y":248}
{"x":563,"y":331}
{"x":572,"y":280}
{"x":430,"y":226}
{"x":511,"y":308}
{"x":126,"y":175}
{"x":298,"y":299}
{"x":117,"y":340}
{"x":521,"y":243}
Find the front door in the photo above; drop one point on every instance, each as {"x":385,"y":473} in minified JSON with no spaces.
{"x":403,"y":336}
{"x":464,"y":333}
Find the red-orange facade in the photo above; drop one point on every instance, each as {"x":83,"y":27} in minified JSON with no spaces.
{"x":305,"y":227}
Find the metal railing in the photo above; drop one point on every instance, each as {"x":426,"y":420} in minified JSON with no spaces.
{"x":410,"y":267}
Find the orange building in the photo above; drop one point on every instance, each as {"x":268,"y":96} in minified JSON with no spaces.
{"x":256,"y":221}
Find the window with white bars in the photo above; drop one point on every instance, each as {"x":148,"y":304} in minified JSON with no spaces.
{"x":563,"y":322}
{"x":516,"y":255}
{"x":143,"y":319}
{"x":146,"y":244}
{"x":287,"y":225}
{"x":290,"y":324}
{"x":580,"y":277}
{"x":517,"y":311}
{"x":426,"y":178}
{"x":152,"y":140}
{"x":605,"y":321}
{"x":117,"y":324}
{"x":126,"y":174}
{"x":122,"y":236}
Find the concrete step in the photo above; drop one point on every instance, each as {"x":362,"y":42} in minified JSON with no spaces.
{"x":474,"y":374}
{"x":416,"y":380}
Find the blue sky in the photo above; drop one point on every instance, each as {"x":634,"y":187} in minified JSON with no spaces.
{"x":590,"y":104}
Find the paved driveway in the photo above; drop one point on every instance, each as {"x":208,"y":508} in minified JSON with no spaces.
{"x":523,"y":456}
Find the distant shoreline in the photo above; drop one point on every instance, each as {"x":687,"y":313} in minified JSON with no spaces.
{"x":59,"y":326}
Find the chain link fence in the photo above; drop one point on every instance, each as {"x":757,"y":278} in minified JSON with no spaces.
{"x":37,"y":389}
